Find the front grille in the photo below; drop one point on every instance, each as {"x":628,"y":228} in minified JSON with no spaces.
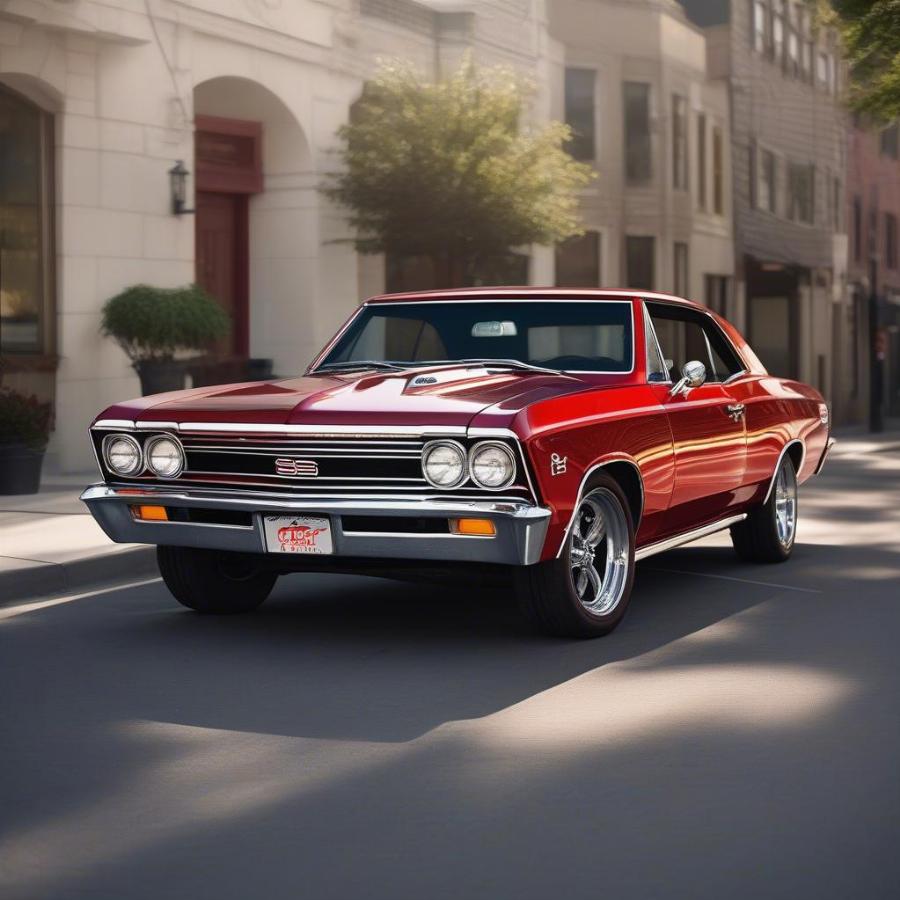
{"x":312,"y":466}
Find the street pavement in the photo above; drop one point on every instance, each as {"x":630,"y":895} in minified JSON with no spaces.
{"x":738,"y":736}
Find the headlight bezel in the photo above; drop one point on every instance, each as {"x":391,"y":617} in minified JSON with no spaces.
{"x":464,"y":463}
{"x":506,"y":450}
{"x":110,"y":439}
{"x":148,"y":449}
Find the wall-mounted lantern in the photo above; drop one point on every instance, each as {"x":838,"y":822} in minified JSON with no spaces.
{"x":178,"y":176}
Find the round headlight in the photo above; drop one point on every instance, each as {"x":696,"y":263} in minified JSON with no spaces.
{"x":444,"y":464}
{"x":165,"y":457}
{"x":122,"y":453}
{"x":492,"y":466}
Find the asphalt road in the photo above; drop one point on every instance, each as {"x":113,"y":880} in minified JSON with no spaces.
{"x":738,"y":736}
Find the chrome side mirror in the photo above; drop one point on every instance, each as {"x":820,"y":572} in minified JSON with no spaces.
{"x":693,"y":374}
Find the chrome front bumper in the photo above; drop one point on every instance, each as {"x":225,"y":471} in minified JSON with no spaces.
{"x":521,"y":527}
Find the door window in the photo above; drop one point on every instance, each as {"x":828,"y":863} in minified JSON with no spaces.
{"x":685,"y":335}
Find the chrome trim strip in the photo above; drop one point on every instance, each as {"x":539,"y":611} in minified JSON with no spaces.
{"x":113,"y":423}
{"x":156,"y":426}
{"x":686,"y":537}
{"x":580,"y":495}
{"x":325,"y":430}
{"x":825,"y":452}
{"x":784,"y":450}
{"x":648,"y":323}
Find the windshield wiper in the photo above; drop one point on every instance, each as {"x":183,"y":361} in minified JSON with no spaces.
{"x":506,"y":364}
{"x":359,"y":364}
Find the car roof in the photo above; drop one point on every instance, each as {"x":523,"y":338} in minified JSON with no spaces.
{"x":532,"y":293}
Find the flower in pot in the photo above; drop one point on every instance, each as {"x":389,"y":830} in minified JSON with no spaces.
{"x":156,"y":327}
{"x":24,"y":431}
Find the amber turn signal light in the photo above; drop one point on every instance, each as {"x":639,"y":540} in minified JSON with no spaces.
{"x":480,"y":527}
{"x":150,"y":513}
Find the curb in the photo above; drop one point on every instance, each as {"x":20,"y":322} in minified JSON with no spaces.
{"x":61,"y":578}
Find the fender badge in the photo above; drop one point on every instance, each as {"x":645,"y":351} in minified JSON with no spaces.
{"x":558,"y":464}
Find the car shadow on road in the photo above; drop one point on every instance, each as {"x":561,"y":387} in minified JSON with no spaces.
{"x":376,"y":660}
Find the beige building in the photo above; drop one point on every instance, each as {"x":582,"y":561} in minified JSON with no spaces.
{"x":657,"y":132}
{"x":99,"y":99}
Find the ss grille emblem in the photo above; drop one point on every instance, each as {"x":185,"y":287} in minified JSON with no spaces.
{"x":304,"y":468}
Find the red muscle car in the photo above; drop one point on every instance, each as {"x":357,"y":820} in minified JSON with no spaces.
{"x":553,"y":437}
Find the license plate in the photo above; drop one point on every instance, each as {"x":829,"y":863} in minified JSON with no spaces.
{"x":298,"y":534}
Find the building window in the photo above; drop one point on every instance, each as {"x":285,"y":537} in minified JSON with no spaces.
{"x":801,"y":193}
{"x":760,"y":26}
{"x":806,"y":44}
{"x":890,"y":240}
{"x":638,"y":156}
{"x":718,"y":172}
{"x":793,"y":43}
{"x":701,"y":161}
{"x":765,"y":181}
{"x":640,"y":262}
{"x":26,"y":226}
{"x":578,"y":261}
{"x":679,"y":142}
{"x":778,"y":31}
{"x":889,"y":141}
{"x":836,"y":200}
{"x":580,"y":112}
{"x":857,"y":228}
{"x":825,"y":71}
{"x":682,"y":276}
{"x":716,"y":290}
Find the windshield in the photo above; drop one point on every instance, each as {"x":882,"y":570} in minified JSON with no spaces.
{"x":589,"y":336}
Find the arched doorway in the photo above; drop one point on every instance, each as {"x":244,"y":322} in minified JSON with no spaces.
{"x":255,"y":216}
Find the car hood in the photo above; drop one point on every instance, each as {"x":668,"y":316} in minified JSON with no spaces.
{"x":443,"y":396}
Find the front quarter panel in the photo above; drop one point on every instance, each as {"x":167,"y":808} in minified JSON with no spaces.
{"x":569,"y":437}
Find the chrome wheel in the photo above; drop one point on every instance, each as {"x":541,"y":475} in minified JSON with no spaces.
{"x":599,"y":552}
{"x":786,"y":504}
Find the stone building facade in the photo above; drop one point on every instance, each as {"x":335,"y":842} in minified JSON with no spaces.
{"x":789,"y":149}
{"x":100,"y":98}
{"x":659,"y":215}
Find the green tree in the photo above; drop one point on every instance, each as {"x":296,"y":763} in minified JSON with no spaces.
{"x":444,"y":170}
{"x":871,"y":34}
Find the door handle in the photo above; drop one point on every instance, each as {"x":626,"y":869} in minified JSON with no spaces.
{"x":735,"y":410}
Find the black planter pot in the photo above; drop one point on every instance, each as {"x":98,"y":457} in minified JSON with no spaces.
{"x":259,"y":369}
{"x":160,"y":376}
{"x":20,"y":469}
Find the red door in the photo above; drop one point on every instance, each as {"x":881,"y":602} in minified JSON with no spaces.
{"x":221,"y":263}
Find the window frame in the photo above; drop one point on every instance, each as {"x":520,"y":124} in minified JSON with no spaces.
{"x":681,"y":165}
{"x":589,"y":140}
{"x":703,"y":318}
{"x":47,"y":312}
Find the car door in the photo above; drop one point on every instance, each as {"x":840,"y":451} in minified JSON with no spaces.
{"x":707,"y":422}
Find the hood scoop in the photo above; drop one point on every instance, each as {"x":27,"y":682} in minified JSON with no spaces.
{"x":440,"y":377}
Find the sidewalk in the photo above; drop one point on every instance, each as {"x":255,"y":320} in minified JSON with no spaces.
{"x":50,"y":543}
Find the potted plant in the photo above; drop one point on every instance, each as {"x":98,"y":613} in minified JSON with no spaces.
{"x":24,"y":431}
{"x":154,"y":324}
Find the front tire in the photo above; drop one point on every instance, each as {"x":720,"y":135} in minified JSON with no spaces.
{"x":585,"y":592}
{"x":767,"y":534}
{"x":214,"y":581}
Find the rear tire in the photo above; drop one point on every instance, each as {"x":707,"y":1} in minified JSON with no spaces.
{"x":585,"y":592}
{"x":767,"y":534}
{"x":214,"y":581}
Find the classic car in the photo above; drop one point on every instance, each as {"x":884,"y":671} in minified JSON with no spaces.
{"x":545,"y":438}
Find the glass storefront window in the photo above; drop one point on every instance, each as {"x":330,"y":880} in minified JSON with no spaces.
{"x":25,"y":226}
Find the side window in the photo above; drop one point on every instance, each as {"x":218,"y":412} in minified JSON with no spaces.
{"x":685,"y":335}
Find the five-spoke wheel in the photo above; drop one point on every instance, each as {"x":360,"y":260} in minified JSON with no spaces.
{"x":585,"y":591}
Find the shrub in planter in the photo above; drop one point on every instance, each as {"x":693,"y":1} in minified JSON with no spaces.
{"x":153,"y":324}
{"x":24,"y":430}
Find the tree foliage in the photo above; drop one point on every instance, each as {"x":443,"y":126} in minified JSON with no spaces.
{"x":445,"y":170}
{"x":870,"y":30}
